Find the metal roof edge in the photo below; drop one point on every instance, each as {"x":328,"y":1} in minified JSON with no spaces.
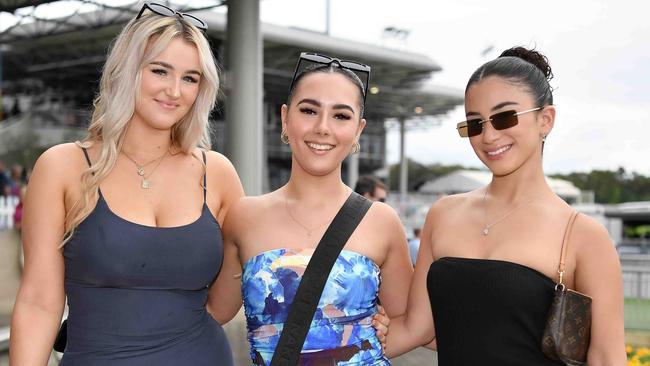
{"x":311,"y":41}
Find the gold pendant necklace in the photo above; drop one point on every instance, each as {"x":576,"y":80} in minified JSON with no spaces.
{"x":146,"y":183}
{"x":307,"y":229}
{"x":488,"y":226}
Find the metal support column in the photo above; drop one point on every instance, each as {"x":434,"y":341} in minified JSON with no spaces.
{"x":244,"y":62}
{"x":403,"y":163}
{"x":353,"y":170}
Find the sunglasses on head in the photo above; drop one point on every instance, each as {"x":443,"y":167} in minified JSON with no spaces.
{"x":356,"y":67}
{"x":500,"y":121}
{"x":166,"y":11}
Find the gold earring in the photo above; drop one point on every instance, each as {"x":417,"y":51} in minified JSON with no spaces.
{"x":284,"y":137}
{"x":356,"y":147}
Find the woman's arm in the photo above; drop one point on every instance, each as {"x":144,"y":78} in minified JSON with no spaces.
{"x":224,"y":298}
{"x":41,"y":297}
{"x":598,"y":274}
{"x":415,"y":327}
{"x":397,"y":270}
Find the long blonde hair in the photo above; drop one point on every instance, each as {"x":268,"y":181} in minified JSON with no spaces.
{"x":139,"y":42}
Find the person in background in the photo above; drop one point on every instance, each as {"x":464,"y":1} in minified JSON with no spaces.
{"x":17,"y":179}
{"x":18,"y":211}
{"x":372,"y":188}
{"x":414,"y":244}
{"x":4,"y":180}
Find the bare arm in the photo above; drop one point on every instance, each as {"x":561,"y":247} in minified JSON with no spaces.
{"x":224,"y":298}
{"x":598,"y":274}
{"x":41,"y":297}
{"x":415,"y":327}
{"x":397,"y":270}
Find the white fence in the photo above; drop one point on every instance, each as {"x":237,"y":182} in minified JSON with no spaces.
{"x":7,"y":207}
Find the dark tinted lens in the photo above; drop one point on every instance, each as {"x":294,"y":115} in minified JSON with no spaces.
{"x":503,"y":120}
{"x":462,"y":131}
{"x":195,"y":21}
{"x":362,"y":71}
{"x":161,"y":9}
{"x":316,"y":58}
{"x":474,"y":127}
{"x":355,"y":66}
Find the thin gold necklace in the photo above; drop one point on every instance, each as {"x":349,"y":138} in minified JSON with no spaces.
{"x":307,"y":229}
{"x":488,"y":226}
{"x":146,"y":183}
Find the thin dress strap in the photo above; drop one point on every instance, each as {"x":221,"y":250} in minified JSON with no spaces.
{"x":87,"y":157}
{"x":205,"y":173}
{"x":99,"y":190}
{"x":567,"y":233}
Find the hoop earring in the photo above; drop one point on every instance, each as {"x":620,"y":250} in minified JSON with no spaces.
{"x":356,"y":147}
{"x":543,"y":138}
{"x":284,"y":137}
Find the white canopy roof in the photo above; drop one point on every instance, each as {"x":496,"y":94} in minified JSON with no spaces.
{"x":468,"y":180}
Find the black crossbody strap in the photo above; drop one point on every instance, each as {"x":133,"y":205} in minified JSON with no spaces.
{"x":305,"y":302}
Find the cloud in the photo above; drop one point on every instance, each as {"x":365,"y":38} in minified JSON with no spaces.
{"x":600,"y":56}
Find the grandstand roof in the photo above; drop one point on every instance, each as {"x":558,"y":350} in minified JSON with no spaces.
{"x":66,"y":54}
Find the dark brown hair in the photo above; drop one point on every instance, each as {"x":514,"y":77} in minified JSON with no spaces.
{"x":521,"y":66}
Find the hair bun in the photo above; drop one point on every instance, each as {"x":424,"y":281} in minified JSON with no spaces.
{"x":531,"y":56}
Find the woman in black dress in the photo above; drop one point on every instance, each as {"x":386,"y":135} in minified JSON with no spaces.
{"x":488,"y":258}
{"x":127,"y":222}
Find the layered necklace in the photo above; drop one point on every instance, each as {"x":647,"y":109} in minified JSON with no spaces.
{"x":146,"y":183}
{"x":488,"y":226}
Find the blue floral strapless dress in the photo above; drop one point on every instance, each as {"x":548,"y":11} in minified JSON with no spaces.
{"x":341,"y":332}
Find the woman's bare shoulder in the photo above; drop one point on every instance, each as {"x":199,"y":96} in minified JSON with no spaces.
{"x":454,"y":202}
{"x":61,"y":161}
{"x":218,"y":163}
{"x":250,"y":209}
{"x":590,"y":237}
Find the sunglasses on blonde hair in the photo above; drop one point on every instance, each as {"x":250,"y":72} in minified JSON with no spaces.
{"x":500,"y":121}
{"x":166,"y":11}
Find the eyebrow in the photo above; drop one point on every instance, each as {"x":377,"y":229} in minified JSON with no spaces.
{"x":496,"y":107}
{"x":168,"y":66}
{"x":318,"y":104}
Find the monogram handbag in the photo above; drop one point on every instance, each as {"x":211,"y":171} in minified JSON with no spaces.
{"x":568,"y":324}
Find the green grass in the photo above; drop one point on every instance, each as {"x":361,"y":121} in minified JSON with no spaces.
{"x":637,"y":314}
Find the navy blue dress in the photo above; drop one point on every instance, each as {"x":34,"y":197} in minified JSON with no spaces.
{"x":137,"y":294}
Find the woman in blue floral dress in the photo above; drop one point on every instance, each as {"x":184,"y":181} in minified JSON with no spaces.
{"x":270,"y":239}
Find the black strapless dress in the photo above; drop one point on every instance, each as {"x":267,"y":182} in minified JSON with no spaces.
{"x":489,"y":312}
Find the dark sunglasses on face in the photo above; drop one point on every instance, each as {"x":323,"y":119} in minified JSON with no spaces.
{"x":356,"y":67}
{"x":500,"y":121}
{"x":166,"y":11}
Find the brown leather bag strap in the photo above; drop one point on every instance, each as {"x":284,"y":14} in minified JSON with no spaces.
{"x":567,"y":232}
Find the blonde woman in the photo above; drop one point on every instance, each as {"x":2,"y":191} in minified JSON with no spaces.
{"x":127,"y":223}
